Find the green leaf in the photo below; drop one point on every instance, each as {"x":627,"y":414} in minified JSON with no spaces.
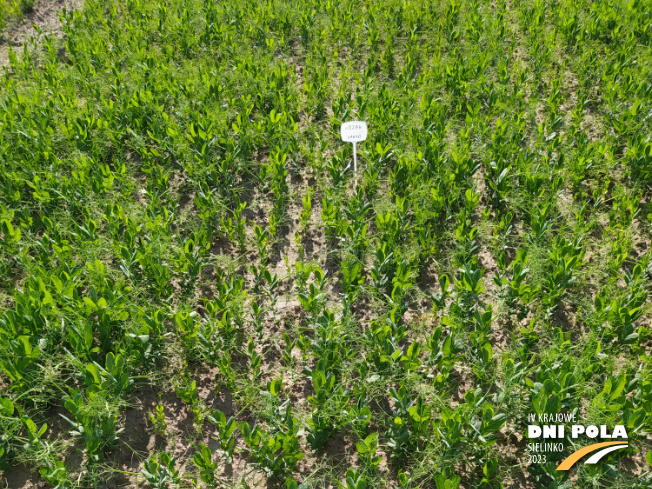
{"x":274,"y":387}
{"x":486,"y":352}
{"x":490,"y":467}
{"x":362,"y":448}
{"x":93,"y":374}
{"x":553,"y":405}
{"x":6,"y":407}
{"x":496,"y":423}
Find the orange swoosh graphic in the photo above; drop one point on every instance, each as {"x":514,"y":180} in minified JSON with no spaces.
{"x":570,"y":461}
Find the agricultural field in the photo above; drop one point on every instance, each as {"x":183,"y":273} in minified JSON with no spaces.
{"x":13,"y":10}
{"x":194,"y":293}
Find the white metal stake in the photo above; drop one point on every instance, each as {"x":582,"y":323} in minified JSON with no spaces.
{"x":355,"y":165}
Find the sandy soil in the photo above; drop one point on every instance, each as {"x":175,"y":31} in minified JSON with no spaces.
{"x":45,"y":15}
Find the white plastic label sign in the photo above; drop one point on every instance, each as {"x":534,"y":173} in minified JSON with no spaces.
{"x":354,"y":131}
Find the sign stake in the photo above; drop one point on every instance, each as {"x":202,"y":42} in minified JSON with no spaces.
{"x":355,"y":165}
